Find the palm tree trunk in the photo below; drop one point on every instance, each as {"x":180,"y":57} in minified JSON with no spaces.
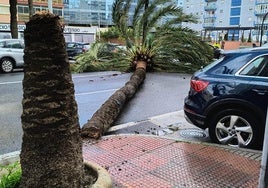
{"x":30,"y":4}
{"x":106,"y":115}
{"x":51,"y":154}
{"x":145,"y":23}
{"x":13,"y":18}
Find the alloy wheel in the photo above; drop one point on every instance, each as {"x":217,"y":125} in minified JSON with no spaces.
{"x":234,"y":130}
{"x":7,"y":66}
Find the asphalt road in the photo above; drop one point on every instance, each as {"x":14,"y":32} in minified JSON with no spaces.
{"x":160,"y":93}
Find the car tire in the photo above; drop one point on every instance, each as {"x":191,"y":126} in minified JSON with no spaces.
{"x":7,"y":65}
{"x":236,"y":128}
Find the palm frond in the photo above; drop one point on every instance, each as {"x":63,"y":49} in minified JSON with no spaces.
{"x":170,"y":41}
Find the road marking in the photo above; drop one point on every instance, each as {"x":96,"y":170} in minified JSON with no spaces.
{"x":78,"y":94}
{"x":73,"y":76}
{"x":15,"y":82}
{"x":99,"y":74}
{"x":95,"y":92}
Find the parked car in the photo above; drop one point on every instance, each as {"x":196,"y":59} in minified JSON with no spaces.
{"x":230,"y":97}
{"x":11,"y":54}
{"x":217,"y":52}
{"x":75,"y":48}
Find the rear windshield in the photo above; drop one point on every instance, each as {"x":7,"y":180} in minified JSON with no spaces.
{"x":229,"y":64}
{"x":74,"y":45}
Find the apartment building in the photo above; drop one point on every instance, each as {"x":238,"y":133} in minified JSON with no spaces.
{"x":217,"y":19}
{"x":23,"y":14}
{"x":71,"y":33}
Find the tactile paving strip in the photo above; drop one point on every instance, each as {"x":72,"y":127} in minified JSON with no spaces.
{"x":145,"y":161}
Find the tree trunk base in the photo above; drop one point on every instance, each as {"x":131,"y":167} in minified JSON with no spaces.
{"x":101,"y":176}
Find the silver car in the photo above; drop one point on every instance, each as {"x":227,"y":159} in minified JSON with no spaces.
{"x":11,"y":54}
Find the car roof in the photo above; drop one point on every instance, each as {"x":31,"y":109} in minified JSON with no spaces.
{"x":84,"y":43}
{"x":246,"y":50}
{"x":11,"y":39}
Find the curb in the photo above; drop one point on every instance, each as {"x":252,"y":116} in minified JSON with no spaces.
{"x":172,"y":118}
{"x":9,"y":158}
{"x":104,"y":179}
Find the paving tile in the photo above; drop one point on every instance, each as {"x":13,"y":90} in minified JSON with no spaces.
{"x":149,"y":161}
{"x":128,"y":151}
{"x":138,"y":161}
{"x":149,"y":181}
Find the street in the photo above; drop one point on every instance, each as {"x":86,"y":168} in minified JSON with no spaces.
{"x":160,"y":93}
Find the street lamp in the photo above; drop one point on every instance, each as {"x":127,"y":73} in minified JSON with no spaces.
{"x":49,"y":4}
{"x":264,"y":17}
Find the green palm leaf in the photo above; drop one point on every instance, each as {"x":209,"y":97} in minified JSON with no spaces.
{"x":169,"y":42}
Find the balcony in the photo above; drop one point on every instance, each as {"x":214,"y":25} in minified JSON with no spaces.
{"x":210,"y":7}
{"x":261,"y":2}
{"x":260,"y":12}
{"x":209,"y":18}
{"x":210,"y":1}
{"x":208,"y":25}
{"x":23,"y":17}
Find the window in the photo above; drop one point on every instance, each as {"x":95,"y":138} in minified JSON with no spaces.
{"x":11,"y":44}
{"x":236,"y":3}
{"x":258,"y":67}
{"x":23,"y":9}
{"x":235,"y":11}
{"x":231,"y":67}
{"x":234,"y":21}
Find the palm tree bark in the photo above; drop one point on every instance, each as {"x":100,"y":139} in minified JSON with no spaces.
{"x":106,"y":115}
{"x":145,"y":23}
{"x":51,"y":154}
{"x":13,"y":18}
{"x":30,"y":4}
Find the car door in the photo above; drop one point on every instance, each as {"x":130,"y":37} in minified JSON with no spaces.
{"x":256,"y":72}
{"x":16,"y":50}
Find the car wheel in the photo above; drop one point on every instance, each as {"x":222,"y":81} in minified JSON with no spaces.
{"x":236,"y":128}
{"x":7,"y":65}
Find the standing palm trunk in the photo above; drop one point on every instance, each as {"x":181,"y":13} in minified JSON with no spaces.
{"x":51,"y":154}
{"x":13,"y":18}
{"x":30,"y":4}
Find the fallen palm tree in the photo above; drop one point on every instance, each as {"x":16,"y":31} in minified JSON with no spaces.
{"x":103,"y":118}
{"x":147,"y":43}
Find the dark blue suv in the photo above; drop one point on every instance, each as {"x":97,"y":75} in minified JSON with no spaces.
{"x":230,"y":97}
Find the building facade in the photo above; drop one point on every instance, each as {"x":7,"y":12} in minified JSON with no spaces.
{"x":222,"y":19}
{"x":23,"y":14}
{"x":217,"y":19}
{"x":88,"y":12}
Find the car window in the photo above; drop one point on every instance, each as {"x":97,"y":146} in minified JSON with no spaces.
{"x":13,"y":44}
{"x":70,"y":45}
{"x":2,"y":44}
{"x":258,"y":67}
{"x":230,"y":65}
{"x":74,"y":45}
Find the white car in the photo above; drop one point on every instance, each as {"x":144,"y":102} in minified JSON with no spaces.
{"x":11,"y":54}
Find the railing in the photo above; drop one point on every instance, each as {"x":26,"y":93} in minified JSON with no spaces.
{"x":210,"y":7}
{"x":261,"y":1}
{"x":210,"y":0}
{"x":208,"y":25}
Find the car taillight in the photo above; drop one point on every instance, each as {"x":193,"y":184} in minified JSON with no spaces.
{"x":199,"y":85}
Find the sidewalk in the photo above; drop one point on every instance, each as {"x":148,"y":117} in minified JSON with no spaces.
{"x":169,"y":160}
{"x":166,"y":152}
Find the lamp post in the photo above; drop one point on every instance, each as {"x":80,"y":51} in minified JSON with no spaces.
{"x":264,"y":17}
{"x":49,"y":4}
{"x":263,"y":180}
